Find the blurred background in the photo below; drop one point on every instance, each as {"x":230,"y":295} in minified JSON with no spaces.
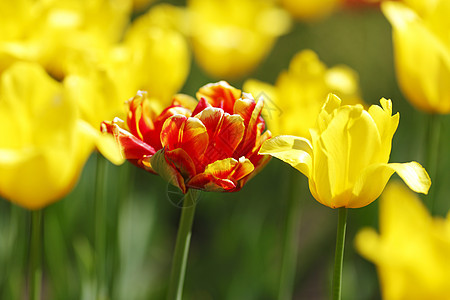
{"x":237,"y":240}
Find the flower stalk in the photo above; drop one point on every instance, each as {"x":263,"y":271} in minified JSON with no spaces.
{"x":182,"y":243}
{"x":291,"y":238}
{"x":36,"y":255}
{"x":432,"y":155}
{"x":339,"y":255}
{"x":100,"y":227}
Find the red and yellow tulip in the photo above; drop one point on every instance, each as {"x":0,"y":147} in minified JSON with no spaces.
{"x":210,"y":145}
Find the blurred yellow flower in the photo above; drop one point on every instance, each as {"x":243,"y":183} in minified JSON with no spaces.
{"x":58,"y":33}
{"x":309,"y":10}
{"x":422,"y":51}
{"x":293,"y":104}
{"x":346,"y":160}
{"x":154,"y":57}
{"x":43,"y":146}
{"x":231,"y":37}
{"x":160,"y":56}
{"x":412,"y":250}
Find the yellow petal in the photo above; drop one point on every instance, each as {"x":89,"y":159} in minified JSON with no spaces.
{"x":387,"y":125}
{"x":422,"y":59}
{"x":293,"y":150}
{"x":373,"y":180}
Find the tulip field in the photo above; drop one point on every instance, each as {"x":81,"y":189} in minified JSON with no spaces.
{"x":236,"y":149}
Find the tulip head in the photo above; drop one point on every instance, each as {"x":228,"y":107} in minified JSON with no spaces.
{"x":231,"y":37}
{"x":411,"y":250}
{"x":43,"y":144}
{"x":299,"y":93}
{"x":346,"y":160}
{"x":422,"y":52}
{"x":210,"y":145}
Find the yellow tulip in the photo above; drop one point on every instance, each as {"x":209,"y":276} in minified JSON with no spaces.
{"x":160,"y":56}
{"x":154,"y":57}
{"x":411,"y":250}
{"x":346,"y":160}
{"x":309,"y":10}
{"x":293,"y":104}
{"x":56,"y":33}
{"x":43,"y":144}
{"x":422,"y":52}
{"x":231,"y":37}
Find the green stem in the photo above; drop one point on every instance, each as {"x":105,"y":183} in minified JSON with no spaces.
{"x":36,"y":255}
{"x":182,"y":246}
{"x":339,"y":256}
{"x":432,"y":155}
{"x":291,"y":237}
{"x":100,"y":227}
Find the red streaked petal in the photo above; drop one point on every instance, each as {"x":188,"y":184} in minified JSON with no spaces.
{"x":211,"y":117}
{"x":182,"y":162}
{"x":210,"y":183}
{"x":225,"y":132}
{"x":202,"y":104}
{"x":220,"y":94}
{"x":244,"y":107}
{"x":231,"y":133}
{"x":167,"y":171}
{"x":186,"y":133}
{"x":170,"y":132}
{"x":140,"y":115}
{"x":252,"y":132}
{"x":131,"y":146}
{"x":223,"y":174}
{"x":194,"y":139}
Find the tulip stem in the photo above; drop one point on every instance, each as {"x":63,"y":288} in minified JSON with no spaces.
{"x":433,"y":140}
{"x":180,"y":255}
{"x":339,"y":255}
{"x":100,"y":227}
{"x":291,"y":237}
{"x":36,"y":255}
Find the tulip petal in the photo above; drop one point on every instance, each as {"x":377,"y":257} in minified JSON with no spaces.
{"x":387,"y":125}
{"x":220,"y":94}
{"x":327,"y":112}
{"x":166,"y":170}
{"x":181,"y":161}
{"x":293,"y":150}
{"x":222,"y":175}
{"x":225,"y":132}
{"x":132,"y":147}
{"x":244,"y":107}
{"x":170,"y":132}
{"x":373,"y":180}
{"x":202,"y":104}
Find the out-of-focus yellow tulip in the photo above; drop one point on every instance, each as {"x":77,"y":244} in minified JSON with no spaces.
{"x":43,"y":144}
{"x":55,"y":33}
{"x":422,"y":52}
{"x":346,"y":160}
{"x":411,"y":251}
{"x":231,"y":37}
{"x":293,"y":104}
{"x":309,"y":10}
{"x":160,"y":57}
